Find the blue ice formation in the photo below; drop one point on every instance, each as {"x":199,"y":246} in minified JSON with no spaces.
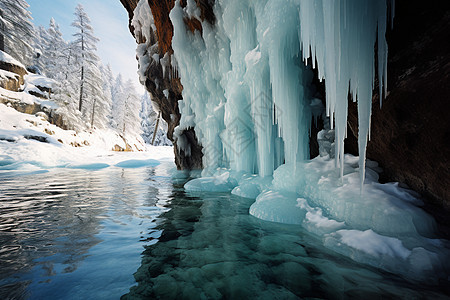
{"x":248,"y":94}
{"x":247,"y":89}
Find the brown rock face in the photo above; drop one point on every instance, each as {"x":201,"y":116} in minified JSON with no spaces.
{"x":12,"y":84}
{"x":156,"y":83}
{"x":411,"y":132}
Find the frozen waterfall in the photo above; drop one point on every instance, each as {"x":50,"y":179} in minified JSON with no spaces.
{"x":248,"y":94}
{"x":247,"y":89}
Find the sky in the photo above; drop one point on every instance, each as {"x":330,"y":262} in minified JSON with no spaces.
{"x":110,"y":22}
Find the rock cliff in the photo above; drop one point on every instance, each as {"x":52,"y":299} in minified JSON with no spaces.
{"x":410,"y":133}
{"x":156,"y":83}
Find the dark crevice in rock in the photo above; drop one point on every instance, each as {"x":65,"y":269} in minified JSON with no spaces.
{"x":38,"y":138}
{"x":408,"y":136}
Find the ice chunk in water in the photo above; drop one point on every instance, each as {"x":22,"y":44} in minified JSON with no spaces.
{"x":278,"y":206}
{"x":220,"y":183}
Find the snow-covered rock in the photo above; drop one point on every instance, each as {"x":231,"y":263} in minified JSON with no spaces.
{"x":11,"y":72}
{"x":8,"y":59}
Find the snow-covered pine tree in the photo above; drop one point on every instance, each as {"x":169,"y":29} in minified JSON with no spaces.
{"x":40,"y":43}
{"x":93,"y":105}
{"x":99,"y":101}
{"x":117,"y":96}
{"x":148,"y":124}
{"x":131,"y":123}
{"x":16,"y":29}
{"x":53,"y":56}
{"x":148,"y":115}
{"x":84,"y":48}
{"x":108,"y":80}
{"x":66,"y":90}
{"x":125,"y":108}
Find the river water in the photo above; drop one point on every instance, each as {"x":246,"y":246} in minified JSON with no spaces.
{"x":135,"y":233}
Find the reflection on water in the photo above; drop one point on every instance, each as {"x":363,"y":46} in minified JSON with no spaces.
{"x":211,"y":248}
{"x":75,"y":233}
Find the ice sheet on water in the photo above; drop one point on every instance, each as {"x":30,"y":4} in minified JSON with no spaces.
{"x":6,"y":160}
{"x":391,"y":254}
{"x":341,"y":199}
{"x":372,"y":243}
{"x":92,"y":166}
{"x":136,"y":163}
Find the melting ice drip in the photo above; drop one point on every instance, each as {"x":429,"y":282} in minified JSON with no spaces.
{"x":248,"y":95}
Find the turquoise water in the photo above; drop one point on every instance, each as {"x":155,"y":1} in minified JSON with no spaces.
{"x":135,"y":233}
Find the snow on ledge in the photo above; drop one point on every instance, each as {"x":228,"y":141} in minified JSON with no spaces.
{"x":5,"y":57}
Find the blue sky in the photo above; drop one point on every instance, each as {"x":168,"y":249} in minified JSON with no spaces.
{"x":110,"y":21}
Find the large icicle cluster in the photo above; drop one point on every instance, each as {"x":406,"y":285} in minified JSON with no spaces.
{"x":248,"y":91}
{"x":341,"y":37}
{"x":249,"y":96}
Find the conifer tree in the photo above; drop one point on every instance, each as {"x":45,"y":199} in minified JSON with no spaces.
{"x":84,"y":47}
{"x":53,"y":55}
{"x":148,"y":124}
{"x":131,"y":120}
{"x":16,"y":29}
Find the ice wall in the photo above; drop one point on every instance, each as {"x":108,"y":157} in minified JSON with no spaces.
{"x":248,"y":94}
{"x":247,"y":88}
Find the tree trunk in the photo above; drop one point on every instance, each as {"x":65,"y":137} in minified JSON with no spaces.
{"x":82,"y":68}
{"x":2,"y":38}
{"x":81,"y":89}
{"x":156,"y":128}
{"x":2,"y":42}
{"x":93,"y":114}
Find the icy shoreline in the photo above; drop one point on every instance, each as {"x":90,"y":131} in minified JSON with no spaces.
{"x":382,"y":226}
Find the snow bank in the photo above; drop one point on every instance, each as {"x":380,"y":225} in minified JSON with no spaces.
{"x":30,"y":144}
{"x":18,"y":97}
{"x":40,"y":80}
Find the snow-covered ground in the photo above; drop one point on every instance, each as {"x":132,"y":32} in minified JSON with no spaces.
{"x":28,"y":143}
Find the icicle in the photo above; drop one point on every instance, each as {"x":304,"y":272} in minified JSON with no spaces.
{"x":260,"y":48}
{"x":349,"y":35}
